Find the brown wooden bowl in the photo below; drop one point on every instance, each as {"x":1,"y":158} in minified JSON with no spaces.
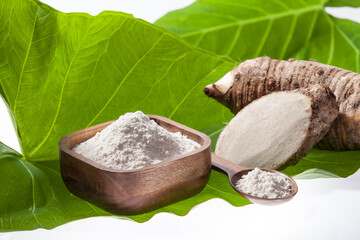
{"x":137,"y":191}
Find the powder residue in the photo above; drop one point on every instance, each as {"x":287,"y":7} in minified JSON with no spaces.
{"x":264,"y":184}
{"x":134,"y":141}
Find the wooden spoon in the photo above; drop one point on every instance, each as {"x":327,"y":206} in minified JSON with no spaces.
{"x":235,"y":172}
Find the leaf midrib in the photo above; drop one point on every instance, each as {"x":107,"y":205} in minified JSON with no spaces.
{"x":255,"y":20}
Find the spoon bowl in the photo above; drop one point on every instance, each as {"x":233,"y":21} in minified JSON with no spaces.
{"x":236,"y":172}
{"x":259,"y":200}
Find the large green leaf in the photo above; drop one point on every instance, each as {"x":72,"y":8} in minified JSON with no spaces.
{"x":279,"y":29}
{"x":32,"y":195}
{"x":64,"y":72}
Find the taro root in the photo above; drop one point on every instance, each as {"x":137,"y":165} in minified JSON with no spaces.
{"x":257,"y":77}
{"x":278,"y":129}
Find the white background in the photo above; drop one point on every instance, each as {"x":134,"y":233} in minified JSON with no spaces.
{"x":323,"y":208}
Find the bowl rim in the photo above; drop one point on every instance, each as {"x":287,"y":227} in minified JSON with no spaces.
{"x":62,"y":146}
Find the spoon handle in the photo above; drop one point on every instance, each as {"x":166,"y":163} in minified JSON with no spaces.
{"x":224,"y":165}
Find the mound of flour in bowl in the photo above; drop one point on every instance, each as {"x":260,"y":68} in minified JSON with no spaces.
{"x":132,"y":142}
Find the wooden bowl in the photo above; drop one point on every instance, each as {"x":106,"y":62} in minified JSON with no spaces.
{"x":137,"y":191}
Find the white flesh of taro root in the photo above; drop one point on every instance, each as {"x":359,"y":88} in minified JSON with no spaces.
{"x":260,"y":76}
{"x":278,"y":129}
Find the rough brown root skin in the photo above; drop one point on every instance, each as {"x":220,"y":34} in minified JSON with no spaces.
{"x":279,"y":129}
{"x":324,"y":112}
{"x":260,"y":76}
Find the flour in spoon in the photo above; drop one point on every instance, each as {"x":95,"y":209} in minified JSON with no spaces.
{"x":132,"y":142}
{"x":264,"y":184}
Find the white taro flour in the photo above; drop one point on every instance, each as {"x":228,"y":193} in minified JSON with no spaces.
{"x":134,"y":141}
{"x":264,"y":184}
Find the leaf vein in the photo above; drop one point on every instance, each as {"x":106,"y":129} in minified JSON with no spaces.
{"x":33,"y":192}
{"x":255,"y":20}
{"x":332,"y":42}
{"x":218,"y":190}
{"x":235,"y":40}
{"x":351,"y":43}
{"x":288,"y":40}
{"x":124,"y":79}
{"x":61,"y":96}
{"x":312,"y":27}
{"x":215,"y":132}
{"x":25,"y":61}
{"x":244,"y":6}
{"x":162,"y":77}
{"x":188,"y":93}
{"x":264,"y":38}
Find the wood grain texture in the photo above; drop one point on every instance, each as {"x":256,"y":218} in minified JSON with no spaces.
{"x":137,"y":191}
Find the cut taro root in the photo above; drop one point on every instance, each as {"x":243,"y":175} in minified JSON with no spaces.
{"x":278,"y":129}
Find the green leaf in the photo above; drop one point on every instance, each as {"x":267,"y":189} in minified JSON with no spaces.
{"x":279,"y":29}
{"x":64,"y":72}
{"x":41,"y":200}
{"x":343,"y":3}
{"x":342,"y":164}
{"x":315,"y":173}
{"x":32,"y":195}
